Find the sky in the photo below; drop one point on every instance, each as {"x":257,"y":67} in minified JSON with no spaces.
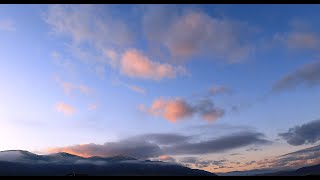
{"x":215,"y":87}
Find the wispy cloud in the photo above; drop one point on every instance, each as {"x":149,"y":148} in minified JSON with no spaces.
{"x":91,"y":32}
{"x":301,"y":37}
{"x":190,"y":33}
{"x":132,"y":87}
{"x":7,"y":25}
{"x":69,"y":88}
{"x":83,"y":24}
{"x":177,"y":109}
{"x":64,"y":108}
{"x":307,"y":133}
{"x":308,"y":75}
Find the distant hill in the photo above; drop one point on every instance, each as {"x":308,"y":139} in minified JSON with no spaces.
{"x":305,"y":171}
{"x":23,"y":163}
{"x":246,"y":173}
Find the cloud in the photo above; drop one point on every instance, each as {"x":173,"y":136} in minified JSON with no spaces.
{"x":177,"y":109}
{"x":65,"y":108}
{"x":222,"y":144}
{"x":300,"y":37}
{"x":208,"y":111}
{"x":172,"y":110}
{"x":132,"y":87}
{"x":7,"y":25}
{"x":92,"y":107}
{"x":199,"y":163}
{"x":69,"y":88}
{"x":305,"y":134}
{"x":303,"y":40}
{"x":189,"y":33}
{"x":216,"y":89}
{"x":136,"y":65}
{"x":308,"y":75}
{"x":135,"y":149}
{"x":164,"y":139}
{"x":165,"y":158}
{"x":88,"y":24}
{"x":163,"y":145}
{"x":294,"y":160}
{"x":92,"y":33}
{"x":113,"y":56}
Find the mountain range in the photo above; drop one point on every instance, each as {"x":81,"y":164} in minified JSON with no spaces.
{"x":24,"y":163}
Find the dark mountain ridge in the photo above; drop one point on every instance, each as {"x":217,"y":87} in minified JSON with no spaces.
{"x":24,"y":163}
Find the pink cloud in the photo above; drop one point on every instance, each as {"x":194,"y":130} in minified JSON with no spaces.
{"x":166,"y":158}
{"x":212,"y":115}
{"x":135,"y":64}
{"x":65,"y":108}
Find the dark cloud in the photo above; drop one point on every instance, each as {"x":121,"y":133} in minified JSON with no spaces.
{"x":254,"y":149}
{"x":208,"y":111}
{"x":164,"y":145}
{"x":308,"y":75}
{"x":250,"y":163}
{"x":235,"y":154}
{"x":305,"y":134}
{"x":164,"y":139}
{"x":221,"y":144}
{"x":199,"y":163}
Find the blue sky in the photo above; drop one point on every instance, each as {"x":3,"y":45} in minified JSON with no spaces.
{"x":95,"y":74}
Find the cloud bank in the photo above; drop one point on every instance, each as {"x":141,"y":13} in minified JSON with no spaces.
{"x":157,"y":145}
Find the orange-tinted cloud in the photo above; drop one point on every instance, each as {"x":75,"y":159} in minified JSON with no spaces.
{"x":166,"y":158}
{"x":177,"y":109}
{"x":135,"y":64}
{"x":65,"y":108}
{"x":172,"y":110}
